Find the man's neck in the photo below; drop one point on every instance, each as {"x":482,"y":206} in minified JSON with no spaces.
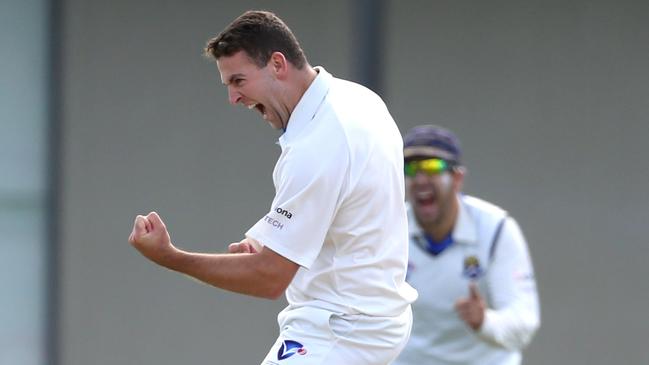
{"x":301,"y":80}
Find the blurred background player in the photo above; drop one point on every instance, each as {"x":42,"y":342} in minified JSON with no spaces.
{"x":335,"y":239}
{"x":469,"y":261}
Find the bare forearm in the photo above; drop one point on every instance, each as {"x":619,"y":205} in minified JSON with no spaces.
{"x":264,"y":274}
{"x":240,"y":273}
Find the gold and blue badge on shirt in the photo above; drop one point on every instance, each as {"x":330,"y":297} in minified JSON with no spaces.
{"x":472,"y":269}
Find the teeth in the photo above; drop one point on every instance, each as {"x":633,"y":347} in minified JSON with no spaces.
{"x":251,"y":106}
{"x":424,"y":194}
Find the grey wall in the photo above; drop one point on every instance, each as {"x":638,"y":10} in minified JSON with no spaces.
{"x":549,"y":98}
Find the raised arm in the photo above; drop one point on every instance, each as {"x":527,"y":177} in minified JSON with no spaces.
{"x":264,"y":274}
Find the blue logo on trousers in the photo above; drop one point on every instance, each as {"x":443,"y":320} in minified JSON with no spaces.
{"x":290,"y":348}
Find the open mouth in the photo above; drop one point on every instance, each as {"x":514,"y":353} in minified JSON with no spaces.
{"x":260,"y":108}
{"x":425,"y":198}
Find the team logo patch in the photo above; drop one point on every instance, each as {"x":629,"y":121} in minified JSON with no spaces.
{"x":290,"y":348}
{"x":472,"y":269}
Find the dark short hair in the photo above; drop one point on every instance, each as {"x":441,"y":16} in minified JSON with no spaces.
{"x":259,"y":34}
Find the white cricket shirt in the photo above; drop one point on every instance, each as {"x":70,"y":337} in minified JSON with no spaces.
{"x":339,"y":207}
{"x":503,"y":271}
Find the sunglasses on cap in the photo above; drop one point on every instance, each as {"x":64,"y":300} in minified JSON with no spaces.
{"x":430,"y":166}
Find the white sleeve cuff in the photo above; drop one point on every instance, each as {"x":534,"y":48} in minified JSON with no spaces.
{"x":488,"y":330}
{"x":512,"y":331}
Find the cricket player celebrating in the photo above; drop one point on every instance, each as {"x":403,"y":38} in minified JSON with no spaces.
{"x":478,"y":303}
{"x":334,"y":240}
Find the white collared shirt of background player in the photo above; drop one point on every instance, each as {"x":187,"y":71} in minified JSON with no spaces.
{"x":439,"y":335}
{"x":330,"y":214}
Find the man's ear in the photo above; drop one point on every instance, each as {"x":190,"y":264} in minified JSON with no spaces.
{"x":458,"y":177}
{"x":278,"y":64}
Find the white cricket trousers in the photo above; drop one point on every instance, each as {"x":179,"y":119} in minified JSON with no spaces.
{"x":313,"y":336}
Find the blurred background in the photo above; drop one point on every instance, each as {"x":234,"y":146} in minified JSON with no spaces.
{"x":108,"y":109}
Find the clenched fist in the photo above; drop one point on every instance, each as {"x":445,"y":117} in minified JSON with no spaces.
{"x":150,"y":237}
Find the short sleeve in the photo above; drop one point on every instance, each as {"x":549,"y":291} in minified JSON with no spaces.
{"x":309,"y":186}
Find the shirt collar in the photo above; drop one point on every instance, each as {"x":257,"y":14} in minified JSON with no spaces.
{"x":308,"y":105}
